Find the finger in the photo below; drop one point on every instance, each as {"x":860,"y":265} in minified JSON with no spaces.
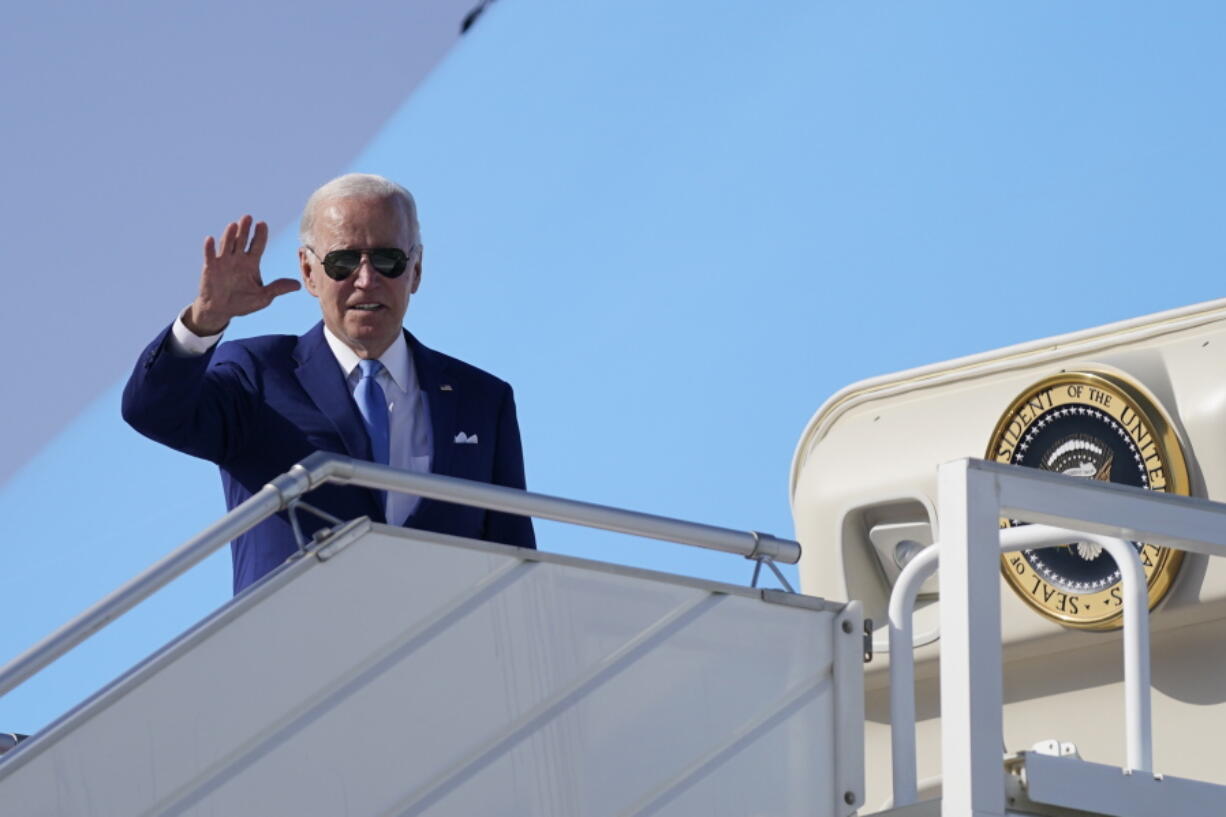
{"x":244,"y":231}
{"x":281,"y":286}
{"x":210,"y":250}
{"x":260,"y":239}
{"x":227,"y":239}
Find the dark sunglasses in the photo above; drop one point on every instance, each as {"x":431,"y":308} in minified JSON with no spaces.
{"x":389,"y":262}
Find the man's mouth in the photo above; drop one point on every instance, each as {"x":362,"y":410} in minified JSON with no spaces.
{"x":367,"y":307}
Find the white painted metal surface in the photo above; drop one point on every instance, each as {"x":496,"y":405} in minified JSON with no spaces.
{"x":902,"y":662}
{"x":876,"y":443}
{"x":412,"y":673}
{"x":971,"y":683}
{"x":902,"y":675}
{"x":286,"y":492}
{"x":974,"y":496}
{"x":865,"y":474}
{"x":1069,"y":782}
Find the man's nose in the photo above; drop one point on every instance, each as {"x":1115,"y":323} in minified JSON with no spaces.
{"x":366,"y":274}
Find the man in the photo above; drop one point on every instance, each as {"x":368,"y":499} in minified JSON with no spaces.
{"x":357,"y":383}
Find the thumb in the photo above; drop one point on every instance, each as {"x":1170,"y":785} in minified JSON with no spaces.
{"x":281,"y":286}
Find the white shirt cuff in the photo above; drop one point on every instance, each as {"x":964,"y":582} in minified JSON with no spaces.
{"x":186,"y":343}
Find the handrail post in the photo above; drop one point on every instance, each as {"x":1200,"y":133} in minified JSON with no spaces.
{"x":902,"y":673}
{"x":972,"y":687}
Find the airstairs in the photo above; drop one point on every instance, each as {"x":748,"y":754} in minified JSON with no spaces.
{"x":394,"y":672}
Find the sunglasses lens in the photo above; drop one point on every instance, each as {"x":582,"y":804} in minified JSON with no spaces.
{"x":390,"y":263}
{"x":340,"y":264}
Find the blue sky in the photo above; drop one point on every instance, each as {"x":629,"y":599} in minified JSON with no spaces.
{"x":675,"y":228}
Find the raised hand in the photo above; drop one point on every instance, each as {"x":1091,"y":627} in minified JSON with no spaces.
{"x":230,"y":283}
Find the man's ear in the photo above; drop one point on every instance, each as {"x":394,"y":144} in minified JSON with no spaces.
{"x":416,"y":273}
{"x":304,"y":265}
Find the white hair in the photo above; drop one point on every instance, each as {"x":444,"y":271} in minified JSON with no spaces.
{"x":360,"y":185}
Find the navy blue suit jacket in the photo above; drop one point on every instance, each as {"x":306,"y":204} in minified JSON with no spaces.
{"x":257,"y":406}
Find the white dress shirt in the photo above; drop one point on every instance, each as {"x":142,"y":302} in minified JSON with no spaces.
{"x":408,"y":415}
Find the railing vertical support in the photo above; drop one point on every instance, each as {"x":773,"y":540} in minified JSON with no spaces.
{"x":902,"y":673}
{"x":972,"y":688}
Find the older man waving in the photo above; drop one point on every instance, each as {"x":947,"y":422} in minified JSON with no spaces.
{"x":357,"y":383}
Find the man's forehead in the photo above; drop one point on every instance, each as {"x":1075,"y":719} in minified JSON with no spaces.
{"x":346,"y":209}
{"x":349,"y":213}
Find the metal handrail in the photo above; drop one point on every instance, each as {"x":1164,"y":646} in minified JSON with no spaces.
{"x":1137,"y":712}
{"x":321,"y":468}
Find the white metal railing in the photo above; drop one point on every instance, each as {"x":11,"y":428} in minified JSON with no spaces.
{"x":973,"y":495}
{"x":286,"y":491}
{"x":1138,"y":722}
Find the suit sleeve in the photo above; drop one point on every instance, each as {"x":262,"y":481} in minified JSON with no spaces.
{"x":196,"y":404}
{"x":509,"y":529}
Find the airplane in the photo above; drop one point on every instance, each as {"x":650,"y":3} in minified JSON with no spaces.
{"x":884,"y":223}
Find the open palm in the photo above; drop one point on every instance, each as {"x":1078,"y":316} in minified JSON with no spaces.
{"x":230,"y":282}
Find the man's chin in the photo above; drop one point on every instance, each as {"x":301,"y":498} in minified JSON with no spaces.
{"x":367,"y":324}
{"x":370,"y":335}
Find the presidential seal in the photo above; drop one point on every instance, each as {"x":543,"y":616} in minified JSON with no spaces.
{"x":1097,"y":426}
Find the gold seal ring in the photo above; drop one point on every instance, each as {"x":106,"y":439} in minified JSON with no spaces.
{"x":1099,"y":426}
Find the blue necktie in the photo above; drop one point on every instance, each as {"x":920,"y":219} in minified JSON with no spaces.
{"x":372,"y":402}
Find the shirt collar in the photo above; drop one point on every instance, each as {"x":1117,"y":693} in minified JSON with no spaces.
{"x":395,"y":359}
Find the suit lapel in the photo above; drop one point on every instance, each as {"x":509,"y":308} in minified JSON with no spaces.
{"x":324,"y":383}
{"x":440,"y":396}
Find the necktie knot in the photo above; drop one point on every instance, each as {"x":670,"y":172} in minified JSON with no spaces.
{"x":370,"y":368}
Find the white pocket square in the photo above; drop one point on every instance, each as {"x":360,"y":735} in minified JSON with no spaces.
{"x":464,"y":438}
